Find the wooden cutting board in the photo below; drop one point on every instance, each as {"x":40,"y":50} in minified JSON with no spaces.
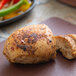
{"x":59,"y":67}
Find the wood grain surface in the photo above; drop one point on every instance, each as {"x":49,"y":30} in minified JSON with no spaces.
{"x":69,"y":2}
{"x":59,"y":67}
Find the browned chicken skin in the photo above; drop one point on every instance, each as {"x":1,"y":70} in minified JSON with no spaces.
{"x":30,"y":44}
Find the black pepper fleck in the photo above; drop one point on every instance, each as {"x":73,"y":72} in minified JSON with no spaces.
{"x":33,"y":35}
{"x":50,"y":41}
{"x":22,"y":47}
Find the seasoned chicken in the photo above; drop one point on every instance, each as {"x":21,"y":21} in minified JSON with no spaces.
{"x":30,"y":44}
{"x":67,"y":45}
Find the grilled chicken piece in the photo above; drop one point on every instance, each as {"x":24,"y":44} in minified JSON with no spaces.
{"x":67,"y":45}
{"x":30,"y":44}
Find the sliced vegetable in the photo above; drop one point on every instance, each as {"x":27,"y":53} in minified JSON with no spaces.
{"x":18,"y":12}
{"x":3,"y":2}
{"x":11,"y":15}
{"x":26,"y":2}
{"x":24,"y":7}
{"x":15,"y":1}
{"x":11,"y":9}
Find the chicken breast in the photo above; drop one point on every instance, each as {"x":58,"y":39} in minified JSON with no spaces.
{"x":30,"y":44}
{"x":67,"y":45}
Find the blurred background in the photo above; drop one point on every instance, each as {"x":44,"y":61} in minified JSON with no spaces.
{"x":43,"y":10}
